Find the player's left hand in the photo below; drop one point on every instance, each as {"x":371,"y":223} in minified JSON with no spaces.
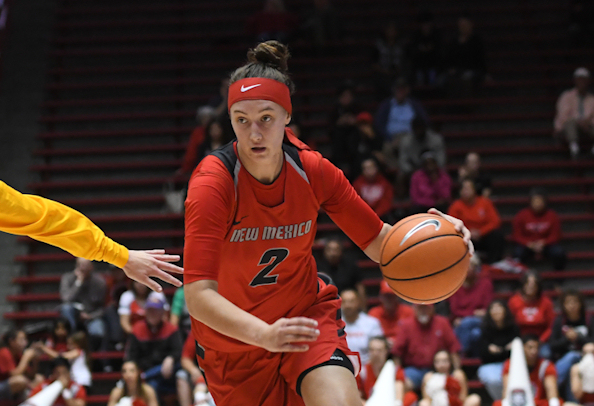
{"x":142,"y":265}
{"x":459,"y":226}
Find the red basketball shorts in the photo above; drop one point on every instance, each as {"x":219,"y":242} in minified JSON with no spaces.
{"x":263,"y":378}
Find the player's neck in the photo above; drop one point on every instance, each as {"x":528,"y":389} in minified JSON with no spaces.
{"x":265,"y":171}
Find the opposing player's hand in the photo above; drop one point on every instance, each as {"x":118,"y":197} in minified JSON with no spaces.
{"x":142,"y":265}
{"x":459,"y":226}
{"x":282,"y":334}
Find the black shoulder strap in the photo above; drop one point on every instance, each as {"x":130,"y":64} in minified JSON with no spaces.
{"x":293,"y":152}
{"x":227,"y":155}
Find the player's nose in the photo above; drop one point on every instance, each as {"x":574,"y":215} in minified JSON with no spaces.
{"x":255,"y":133}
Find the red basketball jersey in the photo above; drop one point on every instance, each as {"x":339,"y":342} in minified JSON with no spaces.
{"x":261,"y":256}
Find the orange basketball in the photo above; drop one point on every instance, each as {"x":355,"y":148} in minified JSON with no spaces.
{"x":424,"y":259}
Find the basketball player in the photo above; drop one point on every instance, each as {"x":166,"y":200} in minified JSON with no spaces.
{"x":267,"y":328}
{"x":61,"y":226}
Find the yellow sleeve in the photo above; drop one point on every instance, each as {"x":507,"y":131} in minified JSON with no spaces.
{"x":55,"y":224}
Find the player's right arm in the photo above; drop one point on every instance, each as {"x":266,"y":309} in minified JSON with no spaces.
{"x":209,"y":206}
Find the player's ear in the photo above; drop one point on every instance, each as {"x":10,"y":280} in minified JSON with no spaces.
{"x":287,"y":119}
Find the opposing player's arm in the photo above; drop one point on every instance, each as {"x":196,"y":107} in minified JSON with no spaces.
{"x":206,"y":305}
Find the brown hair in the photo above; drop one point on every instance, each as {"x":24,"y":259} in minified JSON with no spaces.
{"x":267,"y":60}
{"x":139,"y":384}
{"x":80,"y":339}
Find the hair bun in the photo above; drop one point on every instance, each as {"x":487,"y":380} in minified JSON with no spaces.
{"x":271,"y":53}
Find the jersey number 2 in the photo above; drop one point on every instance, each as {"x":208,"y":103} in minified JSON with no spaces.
{"x":271,"y":259}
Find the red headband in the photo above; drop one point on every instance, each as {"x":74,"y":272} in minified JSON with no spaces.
{"x":260,"y":89}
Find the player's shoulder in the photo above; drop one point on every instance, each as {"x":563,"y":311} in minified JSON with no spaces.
{"x":217,"y":166}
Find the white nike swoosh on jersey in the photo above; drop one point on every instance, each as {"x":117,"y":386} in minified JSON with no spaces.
{"x":245,"y":89}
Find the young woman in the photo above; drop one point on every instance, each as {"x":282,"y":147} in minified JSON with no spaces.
{"x":77,"y":354}
{"x":497,"y":332}
{"x":132,"y":387}
{"x":571,"y":330}
{"x":446,"y":384}
{"x":533,"y":311}
{"x":58,"y":339}
{"x":266,"y":326}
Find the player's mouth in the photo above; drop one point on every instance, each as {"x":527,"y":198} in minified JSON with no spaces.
{"x":258,"y":150}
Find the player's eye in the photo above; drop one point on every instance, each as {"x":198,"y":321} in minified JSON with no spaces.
{"x":242,"y":120}
{"x":266,"y":119}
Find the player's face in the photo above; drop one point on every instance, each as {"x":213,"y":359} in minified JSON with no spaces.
{"x":442,"y":363}
{"x":378,"y":353}
{"x":531,"y":352}
{"x":260,"y":128}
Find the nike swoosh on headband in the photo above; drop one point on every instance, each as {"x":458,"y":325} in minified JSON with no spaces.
{"x":245,"y":89}
{"x":426,"y":223}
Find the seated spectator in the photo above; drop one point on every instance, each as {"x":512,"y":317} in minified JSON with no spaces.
{"x":193,"y":385}
{"x":78,"y":355}
{"x":155,"y":345}
{"x":219,"y":101}
{"x":343,"y":129}
{"x":390,"y":312}
{"x":322,"y":24}
{"x":73,"y":394}
{"x":446,"y":383}
{"x":468,"y":306}
{"x":117,"y":283}
{"x":273,"y":22}
{"x":414,"y":144}
{"x":426,"y":50}
{"x":132,"y":388}
{"x":393,"y":120}
{"x":482,"y":219}
{"x":204,"y":116}
{"x":131,"y":307}
{"x":83,"y":292}
{"x":472,"y":170}
{"x":388,"y":59}
{"x":533,"y":311}
{"x":18,"y":365}
{"x":497,"y":333}
{"x":214,"y":138}
{"x":430,"y":186}
{"x":369,"y":143}
{"x":465,"y":63}
{"x":582,"y":377}
{"x":58,"y":339}
{"x":542,"y":374}
{"x":342,"y":270}
{"x":537,"y":231}
{"x":180,"y":316}
{"x":379,"y":350}
{"x":359,"y":326}
{"x":419,"y":338}
{"x":575,"y":112}
{"x":374,"y":188}
{"x":571,"y":330}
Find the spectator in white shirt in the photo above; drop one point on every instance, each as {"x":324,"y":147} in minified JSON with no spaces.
{"x":575,"y":112}
{"x":359,"y":326}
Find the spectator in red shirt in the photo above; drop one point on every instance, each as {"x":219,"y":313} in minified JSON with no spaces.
{"x":480,"y":216}
{"x":378,"y":355}
{"x":72,"y":394}
{"x":58,"y":339}
{"x":374,"y":188}
{"x":469,"y":305}
{"x":155,"y":345}
{"x":419,"y":338}
{"x":390,"y":312}
{"x":273,"y":22}
{"x":533,"y":311}
{"x":17,"y":365}
{"x":204,"y":116}
{"x":543,"y":375}
{"x":537,"y":231}
{"x":430,"y":186}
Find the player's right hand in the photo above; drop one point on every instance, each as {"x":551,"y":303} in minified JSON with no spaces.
{"x":290,"y":335}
